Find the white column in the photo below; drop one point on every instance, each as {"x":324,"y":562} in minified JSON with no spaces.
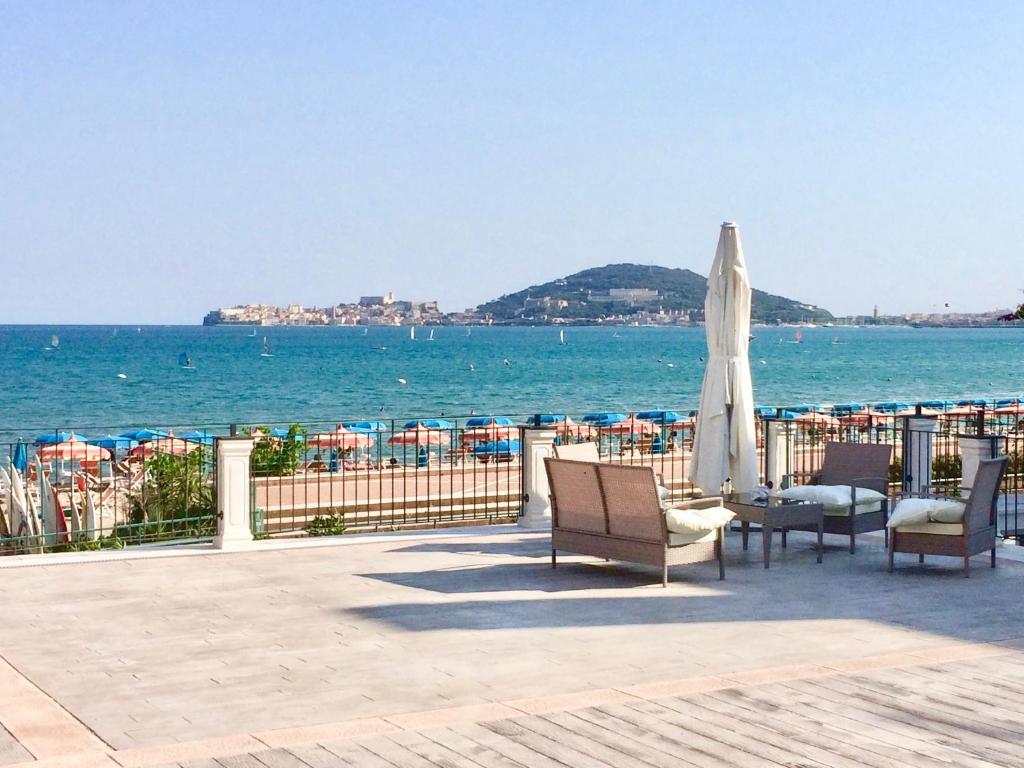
{"x":918,"y":435}
{"x":972,"y":451}
{"x":538,"y":444}
{"x":778,"y":448}
{"x":233,"y":499}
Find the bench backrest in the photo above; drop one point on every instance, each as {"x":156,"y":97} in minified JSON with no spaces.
{"x":605,"y":498}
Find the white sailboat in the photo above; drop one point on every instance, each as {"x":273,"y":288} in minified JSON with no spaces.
{"x":431,"y":336}
{"x":54,"y":343}
{"x":412,"y":333}
{"x":561,"y":337}
{"x":266,"y":349}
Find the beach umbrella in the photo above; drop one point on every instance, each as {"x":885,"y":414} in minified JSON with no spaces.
{"x":813,"y":420}
{"x":725,"y":443}
{"x":144,"y":433}
{"x":73,"y":450}
{"x":173,"y":445}
{"x":489,"y":421}
{"x":55,"y":437}
{"x":365,"y":426}
{"x":547,"y":418}
{"x":802,"y":408}
{"x":19,"y":459}
{"x":663,"y":416}
{"x":427,"y":423}
{"x":847,"y":408}
{"x":604,"y":418}
{"x":486,"y":434}
{"x":631,"y":426}
{"x":113,"y":442}
{"x":419,"y":435}
{"x":203,"y":438}
{"x":498,"y":446}
{"x":340,"y":439}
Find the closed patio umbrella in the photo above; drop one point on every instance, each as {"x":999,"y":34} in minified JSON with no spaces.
{"x":724,"y":445}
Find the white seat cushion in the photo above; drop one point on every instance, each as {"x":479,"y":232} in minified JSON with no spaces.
{"x":943,"y":529}
{"x":676,"y":539}
{"x":924,"y":511}
{"x":830,"y":495}
{"x":842,"y":510}
{"x":688,"y":521}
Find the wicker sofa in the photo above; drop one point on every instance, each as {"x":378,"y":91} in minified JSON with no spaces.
{"x":612,"y":511}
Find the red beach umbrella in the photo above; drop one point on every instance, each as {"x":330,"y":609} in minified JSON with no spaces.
{"x":340,"y":438}
{"x":73,"y":449}
{"x":420,"y":436}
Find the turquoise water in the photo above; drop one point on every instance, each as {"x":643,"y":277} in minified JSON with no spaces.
{"x":334,"y":373}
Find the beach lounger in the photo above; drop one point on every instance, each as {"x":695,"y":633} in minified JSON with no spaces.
{"x":613,"y":511}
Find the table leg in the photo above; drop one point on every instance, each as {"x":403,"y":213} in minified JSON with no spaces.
{"x":821,"y":538}
{"x":766,"y":537}
{"x":784,"y":538}
{"x":744,"y":533}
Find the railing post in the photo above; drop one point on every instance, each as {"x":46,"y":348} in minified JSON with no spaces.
{"x":778,"y":452}
{"x":973,"y":449}
{"x":918,"y":448}
{"x":538,"y":444}
{"x":234,"y":529}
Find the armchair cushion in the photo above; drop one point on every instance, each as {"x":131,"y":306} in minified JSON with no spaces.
{"x":943,"y":529}
{"x":842,"y":510}
{"x":831,"y":495}
{"x":689,"y":520}
{"x":918,"y":512}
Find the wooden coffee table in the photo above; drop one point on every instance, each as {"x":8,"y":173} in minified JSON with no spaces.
{"x":772,"y":513}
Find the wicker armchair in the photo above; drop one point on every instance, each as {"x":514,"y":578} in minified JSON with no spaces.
{"x":977,"y":532}
{"x":858,"y":465}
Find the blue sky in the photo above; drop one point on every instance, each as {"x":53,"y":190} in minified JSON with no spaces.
{"x":159,"y":160}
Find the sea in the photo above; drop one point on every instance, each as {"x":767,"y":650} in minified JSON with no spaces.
{"x":98,"y":378}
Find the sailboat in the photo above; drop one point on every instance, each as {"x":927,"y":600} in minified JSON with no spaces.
{"x":54,"y":343}
{"x":561,"y":337}
{"x":184,"y":361}
{"x":431,"y":336}
{"x":253,"y":334}
{"x":412,"y":333}
{"x":266,"y":349}
{"x":365,"y":331}
{"x":798,"y":338}
{"x":469,"y":332}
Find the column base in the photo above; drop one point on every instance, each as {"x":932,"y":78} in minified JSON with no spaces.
{"x":535,"y":523}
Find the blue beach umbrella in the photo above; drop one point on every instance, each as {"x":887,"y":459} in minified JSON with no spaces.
{"x":50,"y":438}
{"x":804,"y":408}
{"x":604,"y":418}
{"x":977,"y":401}
{"x":847,"y":407}
{"x":498,"y":446}
{"x":20,"y":457}
{"x":198,"y":437}
{"x":1007,"y":401}
{"x":892,"y":406}
{"x":113,"y":442}
{"x":666,"y":417}
{"x":144,"y":433}
{"x":489,"y":421}
{"x":428,"y":424}
{"x":547,"y":418}
{"x":365,"y":426}
{"x":937,"y":404}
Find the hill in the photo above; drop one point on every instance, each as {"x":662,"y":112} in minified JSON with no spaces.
{"x":629,"y":292}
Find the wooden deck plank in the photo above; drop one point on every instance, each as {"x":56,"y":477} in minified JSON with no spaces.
{"x":279,"y":758}
{"x":612,"y":751}
{"x":915,"y":738}
{"x":481,"y":755}
{"x":393,"y":753}
{"x":240,"y":761}
{"x":805,"y":728}
{"x":669,"y":741}
{"x":511,"y":749}
{"x":315,"y":756}
{"x":654,"y":757}
{"x":355,"y":754}
{"x":431,"y":751}
{"x":553,"y":749}
{"x":976,"y":738}
{"x":753,"y":735}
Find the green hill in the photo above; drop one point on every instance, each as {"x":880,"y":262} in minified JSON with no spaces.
{"x":611,"y":292}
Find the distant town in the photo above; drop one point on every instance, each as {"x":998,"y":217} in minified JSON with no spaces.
{"x":386,"y":310}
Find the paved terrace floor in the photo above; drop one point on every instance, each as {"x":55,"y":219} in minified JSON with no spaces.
{"x":465,"y":649}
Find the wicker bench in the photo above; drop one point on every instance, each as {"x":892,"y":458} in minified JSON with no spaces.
{"x":612,"y":511}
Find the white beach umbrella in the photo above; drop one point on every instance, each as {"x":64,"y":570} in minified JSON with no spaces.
{"x":724,"y":445}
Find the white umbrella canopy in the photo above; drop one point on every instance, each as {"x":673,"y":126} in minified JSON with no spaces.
{"x":724,"y":445}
